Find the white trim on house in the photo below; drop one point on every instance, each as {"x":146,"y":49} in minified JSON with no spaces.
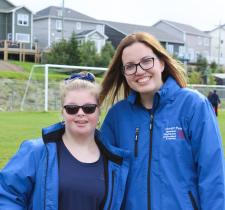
{"x":13,"y":26}
{"x":31,"y":30}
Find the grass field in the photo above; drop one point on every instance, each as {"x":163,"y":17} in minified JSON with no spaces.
{"x":19,"y":126}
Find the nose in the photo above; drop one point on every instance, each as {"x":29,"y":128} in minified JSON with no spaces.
{"x":80,"y":111}
{"x":139,"y":70}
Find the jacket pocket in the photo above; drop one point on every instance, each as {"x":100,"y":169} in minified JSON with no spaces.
{"x":193,"y":201}
{"x":112,"y":190}
{"x":136,"y":142}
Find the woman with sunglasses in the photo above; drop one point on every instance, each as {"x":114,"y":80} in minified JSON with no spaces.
{"x":68,"y":168}
{"x":172,"y":132}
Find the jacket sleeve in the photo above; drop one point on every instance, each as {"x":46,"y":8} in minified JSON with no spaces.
{"x":208,"y":155}
{"x":107,"y":129}
{"x":17,"y":179}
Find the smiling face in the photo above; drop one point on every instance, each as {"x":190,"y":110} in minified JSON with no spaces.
{"x":145,"y":82}
{"x":80,"y":123}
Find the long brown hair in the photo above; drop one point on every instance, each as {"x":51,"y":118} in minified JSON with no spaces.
{"x":114,"y":84}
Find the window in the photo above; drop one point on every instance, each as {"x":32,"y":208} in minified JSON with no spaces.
{"x":170,"y":48}
{"x":78,"y":26}
{"x":22,"y":19}
{"x":22,"y":37}
{"x":58,"y":25}
{"x":9,"y":36}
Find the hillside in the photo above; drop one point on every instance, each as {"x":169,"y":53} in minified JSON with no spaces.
{"x":6,"y":66}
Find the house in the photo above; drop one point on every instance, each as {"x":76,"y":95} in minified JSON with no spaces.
{"x":196,"y":42}
{"x":16,"y":23}
{"x":220,"y":78}
{"x":218,"y":44}
{"x":54,"y":23}
{"x":116,"y":31}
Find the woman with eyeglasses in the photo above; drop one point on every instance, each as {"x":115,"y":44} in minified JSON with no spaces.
{"x":171,"y":131}
{"x":68,"y":168}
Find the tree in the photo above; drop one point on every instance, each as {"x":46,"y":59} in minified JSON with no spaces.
{"x":88,"y":54}
{"x":73,"y":50}
{"x":63,"y":52}
{"x":202,"y":67}
{"x":194,"y":77}
{"x":106,"y":55}
{"x":58,"y":53}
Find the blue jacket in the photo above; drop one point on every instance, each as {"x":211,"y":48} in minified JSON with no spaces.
{"x":30,"y":179}
{"x":177,"y":161}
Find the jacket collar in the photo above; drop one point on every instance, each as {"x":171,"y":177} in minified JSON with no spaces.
{"x":54,"y":133}
{"x":165,"y":93}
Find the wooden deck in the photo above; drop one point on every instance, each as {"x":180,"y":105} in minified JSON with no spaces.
{"x":8,"y":47}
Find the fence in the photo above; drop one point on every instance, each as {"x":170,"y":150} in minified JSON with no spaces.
{"x":12,"y":92}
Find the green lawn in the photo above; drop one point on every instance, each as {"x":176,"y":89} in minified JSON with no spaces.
{"x":19,"y":126}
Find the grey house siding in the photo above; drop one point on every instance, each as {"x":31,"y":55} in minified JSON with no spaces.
{"x":2,"y":26}
{"x":41,"y":33}
{"x":9,"y":24}
{"x":5,"y":4}
{"x":23,"y":29}
{"x":196,"y":42}
{"x":5,"y":25}
{"x":114,"y":36}
{"x":170,"y":30}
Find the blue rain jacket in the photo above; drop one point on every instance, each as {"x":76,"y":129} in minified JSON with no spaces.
{"x":30,"y":179}
{"x":177,"y":161}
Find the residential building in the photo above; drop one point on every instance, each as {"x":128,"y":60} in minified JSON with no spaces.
{"x":218,"y":44}
{"x":196,"y":42}
{"x":55,"y":23}
{"x":116,"y":31}
{"x":16,"y":23}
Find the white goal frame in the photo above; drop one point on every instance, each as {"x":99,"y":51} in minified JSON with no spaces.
{"x":46,"y":69}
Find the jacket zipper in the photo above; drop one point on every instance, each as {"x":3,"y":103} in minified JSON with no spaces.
{"x":136,"y":142}
{"x":193,"y":202}
{"x":111,"y":195}
{"x":149,"y":162}
{"x":46,"y":174}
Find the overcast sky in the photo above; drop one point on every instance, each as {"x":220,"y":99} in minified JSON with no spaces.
{"x":202,"y":14}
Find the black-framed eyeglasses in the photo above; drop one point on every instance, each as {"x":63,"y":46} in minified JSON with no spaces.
{"x":146,"y":64}
{"x":73,"y":109}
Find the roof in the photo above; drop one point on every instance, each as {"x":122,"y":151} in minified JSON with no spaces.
{"x":184,"y":28}
{"x":89,"y":32}
{"x":126,"y":28}
{"x":218,"y":28}
{"x":219,"y":75}
{"x":68,"y":13}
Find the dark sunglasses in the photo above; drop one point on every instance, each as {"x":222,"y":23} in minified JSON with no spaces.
{"x":87,"y":108}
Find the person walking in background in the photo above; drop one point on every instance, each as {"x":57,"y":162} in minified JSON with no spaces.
{"x":215,"y":101}
{"x":171,"y":131}
{"x":68,"y":168}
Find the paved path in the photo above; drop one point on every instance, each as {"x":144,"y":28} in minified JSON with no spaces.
{"x":5,"y":66}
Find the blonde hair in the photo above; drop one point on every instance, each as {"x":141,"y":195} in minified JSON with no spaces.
{"x":114,"y":85}
{"x":79,"y":84}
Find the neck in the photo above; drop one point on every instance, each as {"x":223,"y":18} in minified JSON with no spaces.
{"x":83,"y":148}
{"x":147,"y":100}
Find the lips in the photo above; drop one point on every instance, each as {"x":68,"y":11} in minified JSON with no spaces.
{"x":81,"y":122}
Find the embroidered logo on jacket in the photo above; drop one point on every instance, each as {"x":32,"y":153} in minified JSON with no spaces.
{"x":173,"y":133}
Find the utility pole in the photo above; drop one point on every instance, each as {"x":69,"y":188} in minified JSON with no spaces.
{"x":62,"y":19}
{"x":219,"y":42}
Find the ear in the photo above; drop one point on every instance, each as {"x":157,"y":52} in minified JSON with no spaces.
{"x":162,"y":65}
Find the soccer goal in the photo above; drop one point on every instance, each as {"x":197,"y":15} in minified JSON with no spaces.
{"x":58,"y":68}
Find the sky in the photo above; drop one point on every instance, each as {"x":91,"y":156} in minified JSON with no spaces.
{"x":204,"y":15}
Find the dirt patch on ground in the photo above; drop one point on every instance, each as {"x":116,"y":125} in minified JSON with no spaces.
{"x":5,"y":66}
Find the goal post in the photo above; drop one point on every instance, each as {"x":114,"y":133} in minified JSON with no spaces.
{"x":46,"y":69}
